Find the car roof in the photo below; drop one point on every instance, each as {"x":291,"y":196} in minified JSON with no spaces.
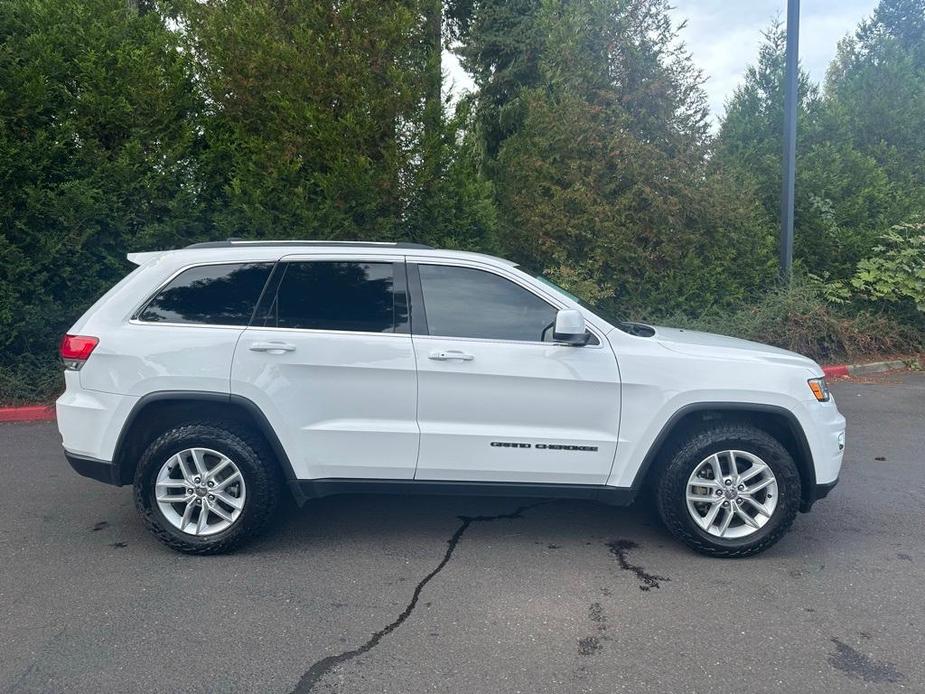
{"x":268,"y":250}
{"x":233,"y":243}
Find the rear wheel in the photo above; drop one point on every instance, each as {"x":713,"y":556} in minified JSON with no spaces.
{"x":204,"y":489}
{"x":730,"y":490}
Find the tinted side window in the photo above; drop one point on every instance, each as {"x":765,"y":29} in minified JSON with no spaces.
{"x":463,"y":302}
{"x":333,"y":295}
{"x":213,"y":294}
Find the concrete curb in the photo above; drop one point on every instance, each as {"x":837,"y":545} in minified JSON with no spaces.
{"x":862,"y":369}
{"x":31,"y":413}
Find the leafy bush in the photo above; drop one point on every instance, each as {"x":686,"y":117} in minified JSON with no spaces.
{"x":798,"y":318}
{"x":896,"y":272}
{"x":30,"y":380}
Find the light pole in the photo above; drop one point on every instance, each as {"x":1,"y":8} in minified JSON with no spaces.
{"x":791,"y":81}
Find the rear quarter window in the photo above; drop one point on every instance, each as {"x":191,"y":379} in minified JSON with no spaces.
{"x":223,"y":294}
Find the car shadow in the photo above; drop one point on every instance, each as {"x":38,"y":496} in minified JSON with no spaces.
{"x":378,"y":519}
{"x":372,"y":520}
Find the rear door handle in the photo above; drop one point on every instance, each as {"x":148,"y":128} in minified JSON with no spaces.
{"x":450,"y":354}
{"x":272,"y":347}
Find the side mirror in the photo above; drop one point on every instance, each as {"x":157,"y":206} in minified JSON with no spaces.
{"x":570,"y":328}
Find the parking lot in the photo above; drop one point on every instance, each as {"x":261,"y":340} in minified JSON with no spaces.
{"x":390,"y":594}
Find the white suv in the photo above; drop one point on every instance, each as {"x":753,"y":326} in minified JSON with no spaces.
{"x":214,"y":376}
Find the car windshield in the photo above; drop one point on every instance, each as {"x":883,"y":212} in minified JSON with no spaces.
{"x":608,"y":315}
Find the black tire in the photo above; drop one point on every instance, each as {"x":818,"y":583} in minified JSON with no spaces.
{"x":671,"y":488}
{"x":254,"y":461}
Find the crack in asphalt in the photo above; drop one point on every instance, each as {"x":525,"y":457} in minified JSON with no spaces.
{"x":321,"y":668}
{"x":619,"y":549}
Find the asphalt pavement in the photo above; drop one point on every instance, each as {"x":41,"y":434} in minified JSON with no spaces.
{"x":419,"y":594}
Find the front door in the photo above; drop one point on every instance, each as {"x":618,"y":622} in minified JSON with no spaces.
{"x":328,"y":359}
{"x":497,"y":400}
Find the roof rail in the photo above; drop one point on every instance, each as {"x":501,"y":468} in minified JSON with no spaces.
{"x":232,"y":242}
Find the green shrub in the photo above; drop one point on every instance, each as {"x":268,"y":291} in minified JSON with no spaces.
{"x":896,"y":272}
{"x":28,"y":380}
{"x":798,"y":318}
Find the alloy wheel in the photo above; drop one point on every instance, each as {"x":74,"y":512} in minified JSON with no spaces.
{"x":731,"y":494}
{"x":200,"y":491}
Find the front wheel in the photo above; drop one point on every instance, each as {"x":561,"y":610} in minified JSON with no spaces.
{"x":730,"y":490}
{"x":204,"y":489}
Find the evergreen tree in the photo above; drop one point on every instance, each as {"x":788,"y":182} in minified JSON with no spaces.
{"x":326,"y":120}
{"x":98,"y":156}
{"x":585,"y":152}
{"x":593,"y":126}
{"x":314,"y":114}
{"x":876,"y":88}
{"x":844,"y":196}
{"x":750,"y":140}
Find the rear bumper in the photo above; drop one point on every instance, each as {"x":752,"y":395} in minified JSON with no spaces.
{"x":90,"y":421}
{"x":100,"y":470}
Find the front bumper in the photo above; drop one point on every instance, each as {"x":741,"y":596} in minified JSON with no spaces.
{"x":824,"y":427}
{"x":100,"y":470}
{"x":820,"y":491}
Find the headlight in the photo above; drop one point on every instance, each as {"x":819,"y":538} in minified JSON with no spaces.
{"x":820,"y":389}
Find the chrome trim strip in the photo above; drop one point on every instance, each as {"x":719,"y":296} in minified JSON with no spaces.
{"x":296,"y":242}
{"x":540,"y":292}
{"x":491,"y":340}
{"x":327,"y":332}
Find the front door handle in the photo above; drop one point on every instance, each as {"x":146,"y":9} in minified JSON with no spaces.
{"x":272,"y":347}
{"x":450,"y":354}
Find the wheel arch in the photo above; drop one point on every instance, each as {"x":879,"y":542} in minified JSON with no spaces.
{"x":777,"y":421}
{"x":158,"y":411}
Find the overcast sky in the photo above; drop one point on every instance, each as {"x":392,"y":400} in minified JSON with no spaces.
{"x":723,"y":37}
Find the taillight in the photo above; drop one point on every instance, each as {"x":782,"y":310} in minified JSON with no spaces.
{"x":76,"y":349}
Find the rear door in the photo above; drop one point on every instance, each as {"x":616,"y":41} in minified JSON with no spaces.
{"x":497,"y":400}
{"x":328,"y":358}
{"x":183,"y":336}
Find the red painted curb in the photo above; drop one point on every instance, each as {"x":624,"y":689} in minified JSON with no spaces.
{"x":837,"y":370}
{"x":33,"y":413}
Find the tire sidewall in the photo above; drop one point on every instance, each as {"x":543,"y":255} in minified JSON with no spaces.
{"x":766,"y":448}
{"x":201,"y":436}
